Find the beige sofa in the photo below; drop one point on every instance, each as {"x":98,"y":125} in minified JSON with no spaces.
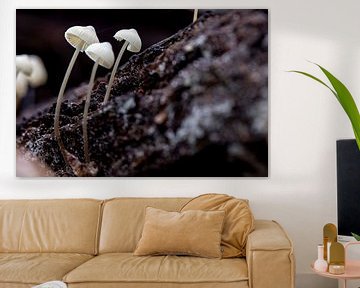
{"x":89,"y":243}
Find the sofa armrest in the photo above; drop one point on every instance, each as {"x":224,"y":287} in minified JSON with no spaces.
{"x":269,"y":256}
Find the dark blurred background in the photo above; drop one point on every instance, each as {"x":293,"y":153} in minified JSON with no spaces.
{"x":41,"y":32}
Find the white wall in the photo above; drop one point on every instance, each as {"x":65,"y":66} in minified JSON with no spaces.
{"x":305,"y":121}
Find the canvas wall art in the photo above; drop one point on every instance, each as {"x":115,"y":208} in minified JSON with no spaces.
{"x":142,"y":93}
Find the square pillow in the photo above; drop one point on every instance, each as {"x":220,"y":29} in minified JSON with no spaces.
{"x":238,"y":223}
{"x":193,"y":232}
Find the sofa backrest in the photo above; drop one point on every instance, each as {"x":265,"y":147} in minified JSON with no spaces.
{"x":67,"y":226}
{"x":123,"y":220}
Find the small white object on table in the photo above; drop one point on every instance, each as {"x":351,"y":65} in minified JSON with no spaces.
{"x":352,"y":268}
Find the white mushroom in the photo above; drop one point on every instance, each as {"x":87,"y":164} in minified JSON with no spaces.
{"x":23,"y":69}
{"x":80,"y":37}
{"x":132,"y":43}
{"x":38,"y":75}
{"x":30,"y":70}
{"x":23,"y":64}
{"x":102,"y":54}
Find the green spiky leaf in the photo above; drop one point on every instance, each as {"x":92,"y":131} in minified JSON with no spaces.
{"x":347,"y":101}
{"x":356,"y":236}
{"x":344,"y":97}
{"x":316,"y":79}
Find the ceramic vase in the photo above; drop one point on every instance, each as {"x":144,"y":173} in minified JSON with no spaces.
{"x":320,"y":264}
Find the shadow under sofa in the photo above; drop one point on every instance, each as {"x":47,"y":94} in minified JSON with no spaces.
{"x":90,"y":243}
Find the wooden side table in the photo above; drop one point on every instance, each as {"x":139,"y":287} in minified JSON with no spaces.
{"x":352,"y":268}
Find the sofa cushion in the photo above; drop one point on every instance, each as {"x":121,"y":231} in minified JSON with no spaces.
{"x":15,"y":285}
{"x":63,"y":226}
{"x":193,"y":232}
{"x":123,"y":218}
{"x":239,"y":220}
{"x":125,"y":267}
{"x":36,"y":268}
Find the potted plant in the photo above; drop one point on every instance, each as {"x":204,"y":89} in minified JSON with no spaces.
{"x":346,"y":100}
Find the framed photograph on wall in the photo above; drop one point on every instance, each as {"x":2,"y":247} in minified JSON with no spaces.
{"x":142,"y":93}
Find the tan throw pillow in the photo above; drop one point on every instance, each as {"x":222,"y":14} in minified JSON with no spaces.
{"x":196,"y":233}
{"x":239,"y":220}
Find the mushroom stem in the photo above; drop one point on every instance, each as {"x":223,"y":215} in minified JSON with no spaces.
{"x":60,"y":99}
{"x":196,"y":11}
{"x":86,"y":110}
{"x":112,"y":77}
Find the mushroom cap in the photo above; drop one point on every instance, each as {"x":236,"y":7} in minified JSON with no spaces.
{"x":81,"y":35}
{"x":38,"y":75}
{"x":132,"y":37}
{"x":101,"y":52}
{"x":23,"y":64}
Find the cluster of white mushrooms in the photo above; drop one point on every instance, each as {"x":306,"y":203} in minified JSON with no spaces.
{"x":30,"y":71}
{"x":83,"y":38}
